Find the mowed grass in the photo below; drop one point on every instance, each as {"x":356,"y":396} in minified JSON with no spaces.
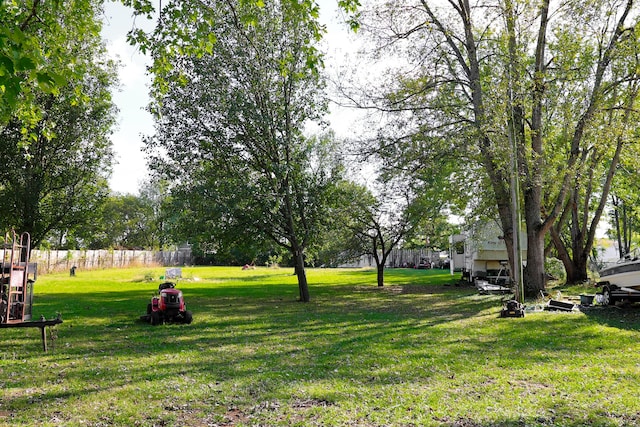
{"x":416,"y":353}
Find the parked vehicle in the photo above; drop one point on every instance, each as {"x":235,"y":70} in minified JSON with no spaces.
{"x":481,"y":255}
{"x":621,"y":281}
{"x":167,"y":306}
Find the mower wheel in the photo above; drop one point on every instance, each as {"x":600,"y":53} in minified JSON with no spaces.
{"x":188,"y":317}
{"x":155,"y":318}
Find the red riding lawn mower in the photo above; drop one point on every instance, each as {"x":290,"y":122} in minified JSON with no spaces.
{"x":168,"y":306}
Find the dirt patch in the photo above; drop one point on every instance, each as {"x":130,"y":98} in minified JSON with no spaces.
{"x":311,"y":403}
{"x":460,"y":422}
{"x":233,"y":417}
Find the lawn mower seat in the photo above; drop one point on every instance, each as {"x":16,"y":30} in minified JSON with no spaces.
{"x":166,"y":285}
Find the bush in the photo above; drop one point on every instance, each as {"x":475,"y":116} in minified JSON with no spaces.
{"x":555,"y":268}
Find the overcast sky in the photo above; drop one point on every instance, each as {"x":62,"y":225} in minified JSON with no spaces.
{"x":132,"y":96}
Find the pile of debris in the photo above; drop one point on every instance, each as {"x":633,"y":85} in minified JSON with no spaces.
{"x":554,"y":305}
{"x":513,"y":308}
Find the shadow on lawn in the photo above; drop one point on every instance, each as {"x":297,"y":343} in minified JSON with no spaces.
{"x":404,"y":276}
{"x":264,"y":342}
{"x":625,"y":316}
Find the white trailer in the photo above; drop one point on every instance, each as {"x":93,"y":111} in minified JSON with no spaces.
{"x":481,"y":254}
{"x":457,"y":252}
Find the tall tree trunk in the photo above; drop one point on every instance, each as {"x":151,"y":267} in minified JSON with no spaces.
{"x":534,"y":273}
{"x":376,"y":243}
{"x":561,"y":251}
{"x":626,"y":226}
{"x":616,"y":220}
{"x":380,"y":268}
{"x":579,"y":270}
{"x":303,"y":286}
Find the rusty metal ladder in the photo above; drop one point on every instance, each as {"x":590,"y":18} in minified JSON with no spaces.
{"x":17,"y":290}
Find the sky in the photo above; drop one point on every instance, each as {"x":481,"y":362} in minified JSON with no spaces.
{"x":132,"y":95}
{"x":131,"y":98}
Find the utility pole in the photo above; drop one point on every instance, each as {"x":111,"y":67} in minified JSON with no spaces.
{"x":515,"y":215}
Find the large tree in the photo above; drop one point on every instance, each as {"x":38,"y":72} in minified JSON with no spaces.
{"x":624,"y":203}
{"x":54,"y":175}
{"x":516,"y":80}
{"x":126,"y":222}
{"x":229,"y":120}
{"x":382,"y":226}
{"x":574,"y":233}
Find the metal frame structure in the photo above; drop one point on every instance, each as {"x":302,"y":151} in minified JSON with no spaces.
{"x":17,"y":277}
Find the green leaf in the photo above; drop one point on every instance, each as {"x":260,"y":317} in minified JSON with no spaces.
{"x":25,"y":63}
{"x":7,"y":63}
{"x":11,"y":95}
{"x":44,"y":79}
{"x":349,"y":6}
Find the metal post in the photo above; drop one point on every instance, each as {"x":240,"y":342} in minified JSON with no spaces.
{"x":44,"y":338}
{"x":515,"y":217}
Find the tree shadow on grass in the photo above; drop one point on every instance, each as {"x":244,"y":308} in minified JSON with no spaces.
{"x":625,"y":316}
{"x":405,"y":276}
{"x":254,"y":344}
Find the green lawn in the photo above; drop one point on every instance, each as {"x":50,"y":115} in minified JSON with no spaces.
{"x":416,"y":353}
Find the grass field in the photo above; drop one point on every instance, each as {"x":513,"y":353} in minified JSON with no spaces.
{"x":416,"y":353}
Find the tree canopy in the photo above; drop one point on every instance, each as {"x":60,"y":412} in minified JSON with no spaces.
{"x":39,"y":41}
{"x":497,"y":80}
{"x":54,"y":144}
{"x":230,"y":121}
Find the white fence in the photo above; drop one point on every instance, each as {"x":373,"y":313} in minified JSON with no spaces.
{"x":56,"y":261}
{"x":398,"y":258}
{"x":411,"y":257}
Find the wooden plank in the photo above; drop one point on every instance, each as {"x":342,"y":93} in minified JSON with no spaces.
{"x":34,"y":324}
{"x":42,"y":324}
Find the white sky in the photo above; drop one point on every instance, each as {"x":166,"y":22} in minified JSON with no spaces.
{"x":132,"y":98}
